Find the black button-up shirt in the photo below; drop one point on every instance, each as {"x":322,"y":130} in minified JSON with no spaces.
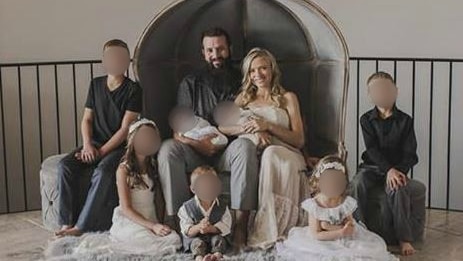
{"x":204,"y":89}
{"x":391,"y":142}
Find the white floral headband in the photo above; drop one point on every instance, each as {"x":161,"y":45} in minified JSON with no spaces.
{"x":142,"y":121}
{"x":327,"y":166}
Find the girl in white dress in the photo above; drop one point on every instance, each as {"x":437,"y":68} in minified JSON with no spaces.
{"x":136,"y":221}
{"x":332,"y":233}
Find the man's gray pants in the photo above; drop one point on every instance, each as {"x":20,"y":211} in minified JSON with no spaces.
{"x":239,"y":160}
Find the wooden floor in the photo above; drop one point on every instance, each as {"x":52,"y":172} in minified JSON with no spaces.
{"x":22,"y":237}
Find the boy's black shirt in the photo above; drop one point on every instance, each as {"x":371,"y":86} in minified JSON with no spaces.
{"x":391,"y":142}
{"x":109,"y":107}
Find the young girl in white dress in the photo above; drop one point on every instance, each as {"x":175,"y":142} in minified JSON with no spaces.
{"x":332,"y":233}
{"x":137,"y":219}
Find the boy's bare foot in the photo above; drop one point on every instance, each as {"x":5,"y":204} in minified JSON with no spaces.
{"x":406,"y":249}
{"x":73,"y":231}
{"x":218,"y":256}
{"x":199,"y":258}
{"x":63,"y":229}
{"x":209,"y":257}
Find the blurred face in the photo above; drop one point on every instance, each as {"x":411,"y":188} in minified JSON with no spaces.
{"x":182,"y":120}
{"x":383,"y":92}
{"x":228,"y":114}
{"x":215,"y":50}
{"x":261,"y":72}
{"x":332,"y":183}
{"x":207,"y":187}
{"x":116,"y":60}
{"x":146,"y":141}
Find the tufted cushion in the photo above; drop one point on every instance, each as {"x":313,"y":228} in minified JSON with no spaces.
{"x":49,"y":191}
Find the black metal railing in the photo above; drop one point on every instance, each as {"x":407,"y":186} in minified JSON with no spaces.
{"x":40,"y":117}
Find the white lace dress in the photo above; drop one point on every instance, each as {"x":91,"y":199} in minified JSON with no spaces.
{"x":283,"y":185}
{"x":362,"y":246}
{"x":126,"y":236}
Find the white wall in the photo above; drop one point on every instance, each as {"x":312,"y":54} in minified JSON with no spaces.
{"x":65,"y":29}
{"x":49,"y":30}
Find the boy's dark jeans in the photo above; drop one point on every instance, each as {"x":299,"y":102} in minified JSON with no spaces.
{"x":406,"y":204}
{"x":101,"y":198}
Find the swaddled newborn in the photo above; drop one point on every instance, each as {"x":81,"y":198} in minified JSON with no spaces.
{"x":228,"y":114}
{"x":183,"y":121}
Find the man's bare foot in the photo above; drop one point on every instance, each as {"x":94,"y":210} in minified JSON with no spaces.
{"x":239,"y":239}
{"x":406,"y":249}
{"x":199,"y":258}
{"x":240,"y":231}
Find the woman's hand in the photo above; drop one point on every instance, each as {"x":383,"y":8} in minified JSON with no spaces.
{"x":256,"y":124}
{"x":160,"y":229}
{"x":264,"y":138}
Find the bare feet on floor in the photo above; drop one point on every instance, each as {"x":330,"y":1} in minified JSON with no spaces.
{"x":406,"y":249}
{"x":68,"y":231}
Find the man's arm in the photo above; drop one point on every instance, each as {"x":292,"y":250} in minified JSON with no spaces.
{"x":121,"y":135}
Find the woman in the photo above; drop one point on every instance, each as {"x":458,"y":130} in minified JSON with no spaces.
{"x":278,"y":125}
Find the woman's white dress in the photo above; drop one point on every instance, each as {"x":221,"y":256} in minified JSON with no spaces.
{"x":283,"y":185}
{"x":362,"y":246}
{"x":126,"y":236}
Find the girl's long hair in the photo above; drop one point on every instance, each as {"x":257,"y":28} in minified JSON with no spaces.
{"x":249,"y":90}
{"x":314,"y":181}
{"x":135,"y":179}
{"x":135,"y":171}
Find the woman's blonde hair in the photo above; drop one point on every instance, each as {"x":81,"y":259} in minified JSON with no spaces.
{"x":249,"y":90}
{"x":320,"y":167}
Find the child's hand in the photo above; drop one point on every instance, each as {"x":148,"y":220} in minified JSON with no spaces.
{"x":160,"y":229}
{"x":209,"y":229}
{"x":88,"y":154}
{"x":348,"y":229}
{"x":324,"y":225}
{"x":395,"y":179}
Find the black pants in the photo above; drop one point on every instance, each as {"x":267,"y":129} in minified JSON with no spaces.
{"x":407,"y":204}
{"x":100,"y":192}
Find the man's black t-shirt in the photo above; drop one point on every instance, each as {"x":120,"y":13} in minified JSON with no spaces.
{"x":204,"y":89}
{"x":109,"y":106}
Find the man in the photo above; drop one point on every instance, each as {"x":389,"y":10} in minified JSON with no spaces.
{"x":201,"y":91}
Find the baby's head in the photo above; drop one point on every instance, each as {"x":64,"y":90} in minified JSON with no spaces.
{"x":182,"y":119}
{"x":226,"y":113}
{"x":330,"y":177}
{"x":143,"y":138}
{"x":205,"y":183}
{"x":382,"y":89}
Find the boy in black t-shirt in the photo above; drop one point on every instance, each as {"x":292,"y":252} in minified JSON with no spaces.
{"x":113,"y":103}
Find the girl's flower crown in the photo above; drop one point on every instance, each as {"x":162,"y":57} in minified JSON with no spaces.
{"x":327,"y":166}
{"x":143,"y":121}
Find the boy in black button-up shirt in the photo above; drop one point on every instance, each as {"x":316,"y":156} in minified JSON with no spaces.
{"x":390,"y":153}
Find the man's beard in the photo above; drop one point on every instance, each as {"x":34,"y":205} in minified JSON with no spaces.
{"x":225,"y":65}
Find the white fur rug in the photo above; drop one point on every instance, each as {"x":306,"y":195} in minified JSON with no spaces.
{"x":65,"y":249}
